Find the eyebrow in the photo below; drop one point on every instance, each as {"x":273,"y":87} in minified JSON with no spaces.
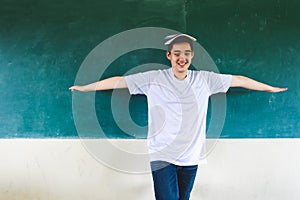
{"x":178,"y":51}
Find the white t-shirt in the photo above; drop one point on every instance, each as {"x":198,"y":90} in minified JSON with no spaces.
{"x":177,"y":112}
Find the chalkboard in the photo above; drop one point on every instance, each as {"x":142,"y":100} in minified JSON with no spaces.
{"x":43,"y":44}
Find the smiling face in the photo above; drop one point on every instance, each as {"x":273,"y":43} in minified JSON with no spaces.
{"x":180,"y":57}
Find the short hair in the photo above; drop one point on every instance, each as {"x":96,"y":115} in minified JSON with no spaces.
{"x":181,"y":39}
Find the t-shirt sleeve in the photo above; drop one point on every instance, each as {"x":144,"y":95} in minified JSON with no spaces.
{"x":139,"y":83}
{"x":217,"y":83}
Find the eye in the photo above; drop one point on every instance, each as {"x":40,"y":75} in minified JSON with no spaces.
{"x":187,"y":54}
{"x":176,"y":54}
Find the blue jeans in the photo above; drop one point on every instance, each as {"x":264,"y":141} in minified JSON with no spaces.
{"x":172,"y":182}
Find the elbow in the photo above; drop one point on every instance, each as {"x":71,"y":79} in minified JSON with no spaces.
{"x":238,"y":81}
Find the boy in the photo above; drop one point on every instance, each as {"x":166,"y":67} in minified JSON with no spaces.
{"x":177,"y":104}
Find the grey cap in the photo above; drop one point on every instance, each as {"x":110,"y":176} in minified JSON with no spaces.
{"x":171,"y":38}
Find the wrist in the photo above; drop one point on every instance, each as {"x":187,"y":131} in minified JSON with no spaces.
{"x":269,"y":88}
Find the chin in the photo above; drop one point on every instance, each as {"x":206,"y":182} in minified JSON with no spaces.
{"x":182,"y":69}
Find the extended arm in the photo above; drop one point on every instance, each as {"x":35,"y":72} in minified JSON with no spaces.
{"x":106,"y":84}
{"x":248,"y":83}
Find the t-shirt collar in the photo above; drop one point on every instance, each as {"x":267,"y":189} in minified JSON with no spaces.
{"x":174,"y":77}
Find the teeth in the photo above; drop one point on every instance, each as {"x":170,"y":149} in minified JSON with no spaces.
{"x":181,"y":63}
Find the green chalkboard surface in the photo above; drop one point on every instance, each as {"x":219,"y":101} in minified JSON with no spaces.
{"x":44,"y":43}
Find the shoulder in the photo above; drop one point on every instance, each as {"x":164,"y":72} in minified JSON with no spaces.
{"x":198,"y":73}
{"x":204,"y":73}
{"x":157,"y":73}
{"x":144,"y":73}
{"x":146,"y":76}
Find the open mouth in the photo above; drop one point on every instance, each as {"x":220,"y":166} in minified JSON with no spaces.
{"x":182,"y":63}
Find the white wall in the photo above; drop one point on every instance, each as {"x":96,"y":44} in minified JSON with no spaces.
{"x":62,"y":169}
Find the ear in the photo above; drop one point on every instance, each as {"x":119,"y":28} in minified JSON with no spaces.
{"x":168,"y":55}
{"x":192,"y":54}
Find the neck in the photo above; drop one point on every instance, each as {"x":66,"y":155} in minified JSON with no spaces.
{"x":180,"y":76}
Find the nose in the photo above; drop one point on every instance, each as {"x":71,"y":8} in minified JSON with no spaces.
{"x":182,"y":56}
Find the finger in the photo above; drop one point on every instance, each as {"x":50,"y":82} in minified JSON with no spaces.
{"x":72,"y":88}
{"x":281,"y":89}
